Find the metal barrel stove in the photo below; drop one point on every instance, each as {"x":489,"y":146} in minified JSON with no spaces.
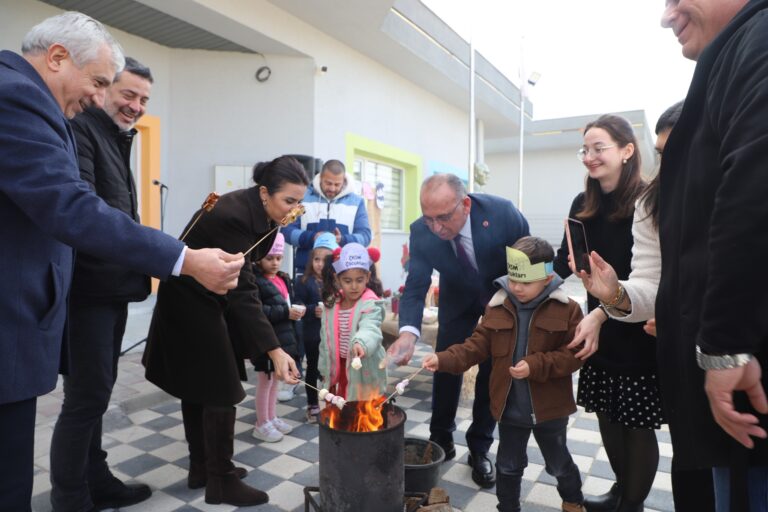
{"x":363,"y":470}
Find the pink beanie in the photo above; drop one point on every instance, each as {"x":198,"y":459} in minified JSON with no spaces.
{"x":277,"y":246}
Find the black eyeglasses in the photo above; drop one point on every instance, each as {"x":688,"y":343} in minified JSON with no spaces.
{"x":441,"y":219}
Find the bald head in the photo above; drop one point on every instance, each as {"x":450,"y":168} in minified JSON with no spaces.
{"x":445,"y":205}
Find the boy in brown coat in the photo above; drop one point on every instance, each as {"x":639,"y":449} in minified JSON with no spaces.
{"x":525,"y":330}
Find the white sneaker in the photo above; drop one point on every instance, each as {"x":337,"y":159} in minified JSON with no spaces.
{"x":281,"y":425}
{"x":285,"y":393}
{"x":267,"y":432}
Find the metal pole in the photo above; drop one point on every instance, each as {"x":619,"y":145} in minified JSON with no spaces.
{"x":523,"y":82}
{"x":471,"y":166}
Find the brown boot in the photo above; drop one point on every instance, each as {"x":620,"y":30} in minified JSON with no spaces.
{"x":198,"y":476}
{"x":224,"y":485}
{"x":192,"y":415}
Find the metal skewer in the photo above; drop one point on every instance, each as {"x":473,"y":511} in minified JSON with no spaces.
{"x":395,"y":392}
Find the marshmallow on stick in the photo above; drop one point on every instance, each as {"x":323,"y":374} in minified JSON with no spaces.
{"x":356,"y":363}
{"x":296,"y":212}
{"x":208,"y":204}
{"x":400,"y":387}
{"x":332,"y":399}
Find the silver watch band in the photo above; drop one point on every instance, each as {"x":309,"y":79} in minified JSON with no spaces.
{"x":721,"y":362}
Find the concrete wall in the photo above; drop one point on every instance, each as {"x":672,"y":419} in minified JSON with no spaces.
{"x":360,"y":96}
{"x":213,"y":111}
{"x":551,"y":180}
{"x":211,"y":108}
{"x":220,"y":115}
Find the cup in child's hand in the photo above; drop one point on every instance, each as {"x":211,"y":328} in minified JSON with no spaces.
{"x":299,"y":307}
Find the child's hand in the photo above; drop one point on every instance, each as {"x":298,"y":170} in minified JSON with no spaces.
{"x":430,"y":362}
{"x":295,"y":313}
{"x":318,"y":311}
{"x":358,"y":350}
{"x":520,"y":371}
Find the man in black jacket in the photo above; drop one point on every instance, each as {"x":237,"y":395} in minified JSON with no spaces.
{"x":101,"y":291}
{"x":710,"y":308}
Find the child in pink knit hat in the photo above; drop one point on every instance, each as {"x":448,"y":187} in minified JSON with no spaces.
{"x":276,"y":294}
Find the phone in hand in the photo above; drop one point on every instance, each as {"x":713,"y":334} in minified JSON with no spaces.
{"x":327,"y":225}
{"x":577,"y":244}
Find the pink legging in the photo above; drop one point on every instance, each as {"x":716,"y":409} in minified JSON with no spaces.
{"x":266,"y":397}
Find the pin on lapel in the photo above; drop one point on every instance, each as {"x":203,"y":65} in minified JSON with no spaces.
{"x":485,"y":223}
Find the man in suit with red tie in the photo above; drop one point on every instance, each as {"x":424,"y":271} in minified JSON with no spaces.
{"x":464,"y":237}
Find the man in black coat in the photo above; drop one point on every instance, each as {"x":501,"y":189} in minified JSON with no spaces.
{"x":101,"y":291}
{"x":713,"y":214}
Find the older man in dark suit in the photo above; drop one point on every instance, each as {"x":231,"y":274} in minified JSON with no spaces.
{"x":46,"y":210}
{"x":464,"y":238}
{"x":712,"y":222}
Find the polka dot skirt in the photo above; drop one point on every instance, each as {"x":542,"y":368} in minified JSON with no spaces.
{"x":633,"y":401}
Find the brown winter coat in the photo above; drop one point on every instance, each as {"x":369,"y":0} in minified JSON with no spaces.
{"x":198,"y":340}
{"x":552,"y":327}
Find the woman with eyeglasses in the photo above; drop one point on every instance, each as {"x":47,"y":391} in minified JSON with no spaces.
{"x":619,"y":381}
{"x":692,"y":489}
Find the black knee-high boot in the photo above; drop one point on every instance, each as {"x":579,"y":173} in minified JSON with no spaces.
{"x":224,"y":485}
{"x":192,"y":416}
{"x":612,"y":435}
{"x":641,"y":451}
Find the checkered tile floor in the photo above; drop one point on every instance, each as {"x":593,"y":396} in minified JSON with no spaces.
{"x":148,"y":446}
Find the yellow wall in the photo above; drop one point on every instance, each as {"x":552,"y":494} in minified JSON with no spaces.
{"x":149,"y":128}
{"x":411,"y":163}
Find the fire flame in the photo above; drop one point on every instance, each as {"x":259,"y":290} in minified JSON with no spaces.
{"x":357,"y":416}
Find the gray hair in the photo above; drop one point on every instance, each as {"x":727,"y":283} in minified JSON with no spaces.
{"x":81,"y":35}
{"x":453,"y":181}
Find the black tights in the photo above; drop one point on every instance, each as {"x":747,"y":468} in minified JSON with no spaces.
{"x":634,"y":457}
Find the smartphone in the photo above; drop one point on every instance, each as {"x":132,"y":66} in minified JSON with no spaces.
{"x":328,"y":225}
{"x":577,"y":244}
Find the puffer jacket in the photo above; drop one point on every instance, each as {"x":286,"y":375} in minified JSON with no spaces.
{"x":276,"y":310}
{"x":346,"y":210}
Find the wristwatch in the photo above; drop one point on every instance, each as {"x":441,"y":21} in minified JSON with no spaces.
{"x":721,"y":362}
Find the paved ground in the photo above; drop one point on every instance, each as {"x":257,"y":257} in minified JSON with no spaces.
{"x":145,"y":439}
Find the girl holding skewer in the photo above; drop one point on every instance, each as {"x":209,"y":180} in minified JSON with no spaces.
{"x":276,"y":293}
{"x":350,"y":335}
{"x":198,"y":340}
